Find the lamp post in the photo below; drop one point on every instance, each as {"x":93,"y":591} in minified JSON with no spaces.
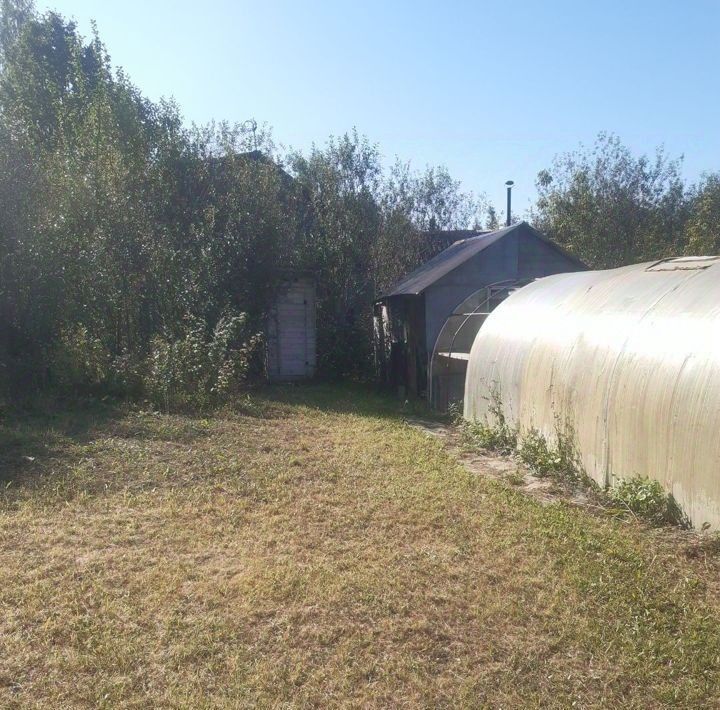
{"x":509,"y":184}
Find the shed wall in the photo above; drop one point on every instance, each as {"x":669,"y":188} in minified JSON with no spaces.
{"x":496,"y":263}
{"x":625,"y":361}
{"x":442,"y":284}
{"x":537,"y":258}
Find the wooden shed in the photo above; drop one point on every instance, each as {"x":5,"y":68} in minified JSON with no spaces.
{"x":290,"y":333}
{"x":473,"y":274}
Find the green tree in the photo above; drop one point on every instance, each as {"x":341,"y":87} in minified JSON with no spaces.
{"x":491,"y":221}
{"x":365,"y":227}
{"x":125,"y":234}
{"x":413,"y":204}
{"x":610,"y":207}
{"x":703,"y":226}
{"x":115,"y":221}
{"x":340,"y":183}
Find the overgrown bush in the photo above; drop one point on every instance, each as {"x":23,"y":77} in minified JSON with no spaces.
{"x":128,"y":377}
{"x":455,"y":413}
{"x":494,"y":433}
{"x":543,"y":459}
{"x":501,"y":439}
{"x":201,"y":369}
{"x":79,"y":361}
{"x":641,"y":496}
{"x":644,"y":498}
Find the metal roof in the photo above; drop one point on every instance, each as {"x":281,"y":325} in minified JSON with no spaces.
{"x":457,"y":254}
{"x":439,"y":239}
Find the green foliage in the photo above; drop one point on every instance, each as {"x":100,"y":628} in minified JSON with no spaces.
{"x":646,"y":499}
{"x":492,"y":222}
{"x":642,"y":497}
{"x":559,"y":460}
{"x":342,"y":221}
{"x":455,"y":413}
{"x":120,"y":225}
{"x":543,"y":459}
{"x":502,"y":440}
{"x":411,"y":205}
{"x":494,"y":433}
{"x":117,"y":224}
{"x":703,"y":235}
{"x":612,"y":208}
{"x":79,"y":361}
{"x":199,"y":370}
{"x":363,"y":229}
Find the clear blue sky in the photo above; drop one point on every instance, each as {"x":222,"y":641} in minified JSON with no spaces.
{"x":492,"y":90}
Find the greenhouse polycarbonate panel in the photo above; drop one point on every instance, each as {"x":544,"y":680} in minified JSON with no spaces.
{"x":626,"y":361}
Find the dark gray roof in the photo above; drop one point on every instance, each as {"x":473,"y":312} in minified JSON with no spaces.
{"x":440,"y":239}
{"x":458,"y":253}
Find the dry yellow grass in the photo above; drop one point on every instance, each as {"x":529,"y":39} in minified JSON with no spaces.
{"x":315,"y":551}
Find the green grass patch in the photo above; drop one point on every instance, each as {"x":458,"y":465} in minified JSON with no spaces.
{"x":311,"y":549}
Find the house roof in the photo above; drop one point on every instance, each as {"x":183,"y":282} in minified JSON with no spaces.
{"x":440,"y":239}
{"x":458,"y":253}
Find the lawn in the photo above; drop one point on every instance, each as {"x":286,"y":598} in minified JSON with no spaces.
{"x":311,"y":549}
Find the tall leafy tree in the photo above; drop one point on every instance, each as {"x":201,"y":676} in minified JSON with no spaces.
{"x":413,"y":205}
{"x":124,"y":233}
{"x":366,"y":226}
{"x":611,"y":207}
{"x":703,"y":225}
{"x":340,"y":183}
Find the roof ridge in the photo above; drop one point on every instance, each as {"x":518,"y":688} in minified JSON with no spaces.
{"x":457,"y":254}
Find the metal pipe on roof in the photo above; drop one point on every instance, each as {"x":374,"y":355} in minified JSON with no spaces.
{"x":508,"y":220}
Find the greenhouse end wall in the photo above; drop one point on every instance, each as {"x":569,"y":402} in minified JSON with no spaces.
{"x":626,"y":362}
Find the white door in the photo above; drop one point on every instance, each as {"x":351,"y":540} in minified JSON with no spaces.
{"x":296,"y":331}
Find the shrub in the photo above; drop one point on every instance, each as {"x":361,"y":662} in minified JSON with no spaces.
{"x":493,"y":433}
{"x":644,"y":498}
{"x":543,"y":459}
{"x":198,"y":369}
{"x":79,"y":361}
{"x":501,"y":439}
{"x":455,"y":413}
{"x":128,"y":376}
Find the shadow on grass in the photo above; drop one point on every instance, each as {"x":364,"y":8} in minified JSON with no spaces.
{"x":33,"y":435}
{"x":39,"y":440}
{"x":362,"y":399}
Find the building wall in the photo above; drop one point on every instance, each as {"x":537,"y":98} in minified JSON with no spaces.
{"x":537,"y":259}
{"x":496,"y":263}
{"x":291,"y":344}
{"x":520,"y":255}
{"x":400,"y":343}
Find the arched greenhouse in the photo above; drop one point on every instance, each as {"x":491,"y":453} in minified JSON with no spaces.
{"x":626,"y":361}
{"x":448,"y":364}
